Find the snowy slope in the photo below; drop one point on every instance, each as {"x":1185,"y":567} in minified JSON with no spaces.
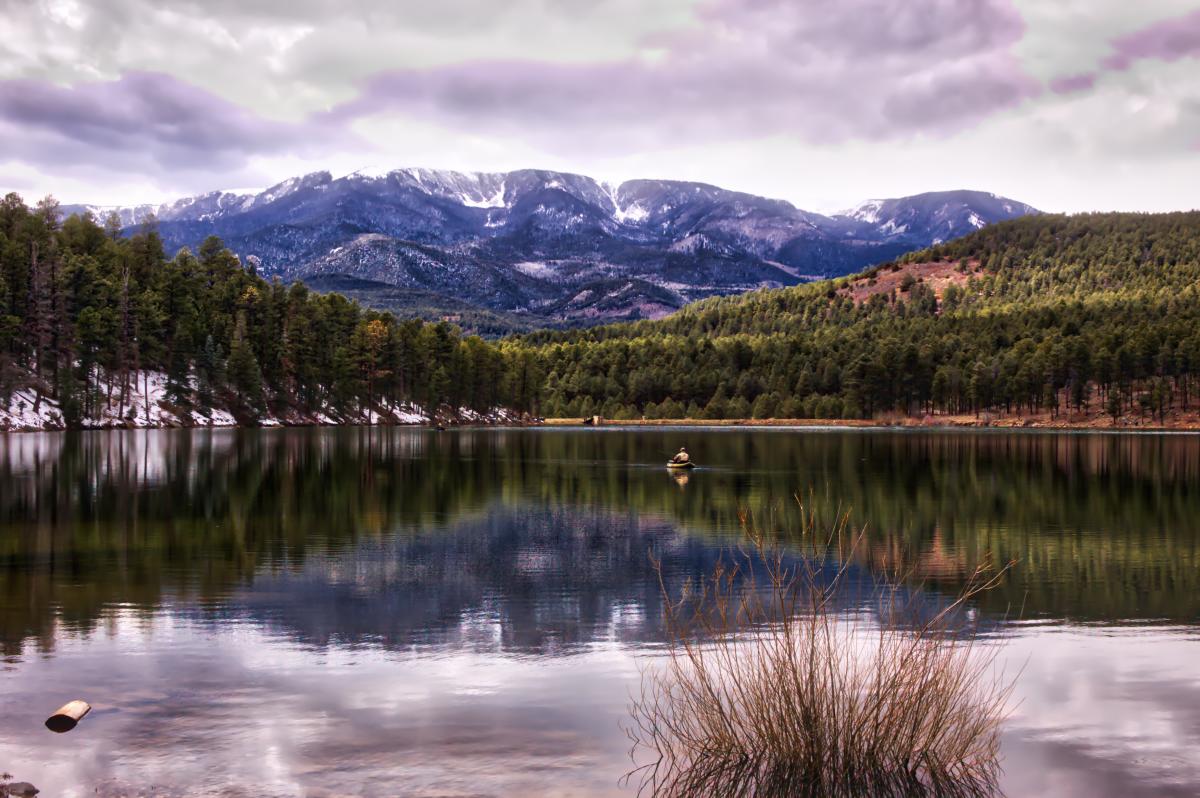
{"x":466,"y":234}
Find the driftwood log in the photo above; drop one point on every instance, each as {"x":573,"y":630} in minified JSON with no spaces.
{"x":67,"y":716}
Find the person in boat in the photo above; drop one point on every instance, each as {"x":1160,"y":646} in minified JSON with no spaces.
{"x":682,"y":457}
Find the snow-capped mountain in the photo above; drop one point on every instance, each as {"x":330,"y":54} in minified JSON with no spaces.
{"x":932,"y":218}
{"x":554,"y":245}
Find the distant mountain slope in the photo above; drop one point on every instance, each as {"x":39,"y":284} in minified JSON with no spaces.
{"x":408,"y":303}
{"x":933,"y":218}
{"x":1091,"y":319}
{"x":531,"y":242}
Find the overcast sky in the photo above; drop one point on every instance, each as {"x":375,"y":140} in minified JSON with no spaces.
{"x":1065,"y":104}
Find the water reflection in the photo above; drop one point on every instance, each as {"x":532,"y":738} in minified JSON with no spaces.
{"x":182,"y":710}
{"x":512,"y":580}
{"x":399,"y":599}
{"x":1102,"y":526}
{"x":1104,"y":712}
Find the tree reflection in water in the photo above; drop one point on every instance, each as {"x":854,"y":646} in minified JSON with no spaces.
{"x":540,"y":537}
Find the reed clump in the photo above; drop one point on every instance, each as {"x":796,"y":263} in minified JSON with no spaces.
{"x":787,"y":676}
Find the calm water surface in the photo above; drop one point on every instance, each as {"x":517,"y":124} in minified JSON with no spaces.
{"x":403,"y":612}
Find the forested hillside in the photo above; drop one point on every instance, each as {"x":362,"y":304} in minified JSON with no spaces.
{"x":1045,"y":314}
{"x":97,"y":329}
{"x":1041,"y":315}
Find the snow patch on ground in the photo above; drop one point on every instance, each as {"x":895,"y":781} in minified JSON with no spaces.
{"x":279,"y":191}
{"x":216,"y":418}
{"x":407,"y":413}
{"x":535,"y":268}
{"x":386,"y":413}
{"x":497,"y":415}
{"x":372,"y":172}
{"x":634,"y":213}
{"x":494,"y":201}
{"x":142,"y":405}
{"x":146,"y":405}
{"x":866,"y":211}
{"x":20,"y":413}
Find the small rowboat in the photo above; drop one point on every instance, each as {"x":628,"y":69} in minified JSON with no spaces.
{"x":687,"y":464}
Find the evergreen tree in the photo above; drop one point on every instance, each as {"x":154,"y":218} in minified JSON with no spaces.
{"x":208,"y":375}
{"x":243,"y":370}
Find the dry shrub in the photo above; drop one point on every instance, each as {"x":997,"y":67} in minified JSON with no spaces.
{"x":772,"y":687}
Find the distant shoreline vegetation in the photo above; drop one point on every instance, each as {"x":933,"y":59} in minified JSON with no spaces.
{"x":1085,"y":320}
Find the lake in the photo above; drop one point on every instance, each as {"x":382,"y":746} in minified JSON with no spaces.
{"x":354,"y":611}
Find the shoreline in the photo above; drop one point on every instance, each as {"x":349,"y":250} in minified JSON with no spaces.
{"x":274,"y":424}
{"x":1191,"y":424}
{"x":913,"y":423}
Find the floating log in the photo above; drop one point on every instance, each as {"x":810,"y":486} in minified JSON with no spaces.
{"x":68,"y":715}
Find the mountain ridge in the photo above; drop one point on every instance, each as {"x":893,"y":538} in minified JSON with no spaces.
{"x":531,"y":241}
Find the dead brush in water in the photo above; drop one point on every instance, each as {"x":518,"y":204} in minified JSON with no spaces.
{"x":771,"y":688}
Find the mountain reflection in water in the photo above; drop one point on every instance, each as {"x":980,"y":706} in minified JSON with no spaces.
{"x":452,"y":612}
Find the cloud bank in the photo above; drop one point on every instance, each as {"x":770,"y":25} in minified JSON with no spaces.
{"x":187,"y":96}
{"x":824,"y":71}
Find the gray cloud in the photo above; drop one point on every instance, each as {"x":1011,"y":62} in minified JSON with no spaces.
{"x":143,"y":122}
{"x":826,"y":71}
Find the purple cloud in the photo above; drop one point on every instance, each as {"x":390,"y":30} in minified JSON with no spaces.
{"x":1071,"y":84}
{"x":827,"y":70}
{"x":1169,"y":40}
{"x":141,"y":120}
{"x":822,"y":70}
